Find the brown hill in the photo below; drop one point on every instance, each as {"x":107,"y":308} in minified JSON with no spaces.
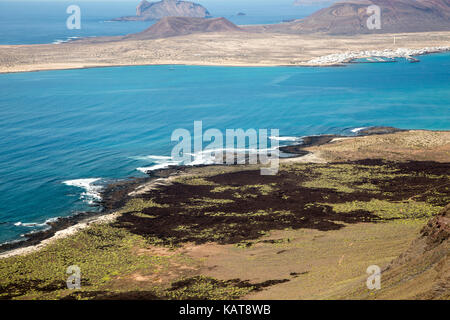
{"x":423,"y":271}
{"x":178,"y":26}
{"x":425,"y":266}
{"x":167,"y":8}
{"x":350,"y":17}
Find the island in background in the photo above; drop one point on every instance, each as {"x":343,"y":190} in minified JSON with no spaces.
{"x":322,"y":39}
{"x":146,"y":11}
{"x":226,"y":232}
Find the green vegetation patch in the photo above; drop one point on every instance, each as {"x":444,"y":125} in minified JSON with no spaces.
{"x":138,"y":204}
{"x":195,"y":181}
{"x":350,"y":178}
{"x":101,"y":252}
{"x":193,"y":288}
{"x":206,"y":288}
{"x":389,"y":210}
{"x":244,"y":191}
{"x":237,"y":206}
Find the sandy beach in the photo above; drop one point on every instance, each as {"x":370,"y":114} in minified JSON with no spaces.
{"x":218,"y":49}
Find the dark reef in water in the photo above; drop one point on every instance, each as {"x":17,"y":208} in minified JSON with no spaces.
{"x":378,"y":130}
{"x":308,"y":142}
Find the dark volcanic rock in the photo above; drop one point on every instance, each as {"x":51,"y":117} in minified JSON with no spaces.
{"x":178,"y":26}
{"x":167,"y":8}
{"x":309,"y":141}
{"x":350,"y":17}
{"x":378,"y":130}
{"x":437,"y":230}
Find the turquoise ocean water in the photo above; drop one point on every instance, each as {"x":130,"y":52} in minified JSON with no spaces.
{"x":62,"y":130}
{"x":64,"y":134}
{"x":35,"y":21}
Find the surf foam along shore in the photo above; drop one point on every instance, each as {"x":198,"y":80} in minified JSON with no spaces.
{"x":53,"y":228}
{"x":90,"y":196}
{"x":117,"y":193}
{"x":356,"y":130}
{"x":159,"y":162}
{"x":340,"y":58}
{"x":102,"y":192}
{"x":36,"y":226}
{"x":289,"y":139}
{"x":201,"y":158}
{"x":31,"y":224}
{"x":68,"y":39}
{"x":230,"y":228}
{"x":95,"y":187}
{"x":92,"y":191}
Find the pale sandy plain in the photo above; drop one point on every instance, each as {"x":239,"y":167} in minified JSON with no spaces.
{"x":221,"y":49}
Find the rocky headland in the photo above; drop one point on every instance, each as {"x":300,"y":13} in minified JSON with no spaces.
{"x":146,"y":11}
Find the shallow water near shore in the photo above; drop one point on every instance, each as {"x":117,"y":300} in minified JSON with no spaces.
{"x":64,"y":134}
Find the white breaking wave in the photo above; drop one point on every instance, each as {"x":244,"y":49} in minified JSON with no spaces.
{"x":59,"y":41}
{"x":161,"y":162}
{"x":151,"y":157}
{"x":29,"y":224}
{"x":158,"y":166}
{"x":204,"y":157}
{"x":92,"y":191}
{"x":358,"y":129}
{"x":35,"y":224}
{"x":286,"y":138}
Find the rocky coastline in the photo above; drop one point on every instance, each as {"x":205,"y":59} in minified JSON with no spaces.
{"x":116,"y":194}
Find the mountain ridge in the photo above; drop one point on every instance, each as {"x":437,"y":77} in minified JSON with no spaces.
{"x":178,"y":26}
{"x":350,"y":17}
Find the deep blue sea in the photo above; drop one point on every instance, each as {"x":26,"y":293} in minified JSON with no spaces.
{"x":63,"y":134}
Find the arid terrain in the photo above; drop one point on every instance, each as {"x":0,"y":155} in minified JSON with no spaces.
{"x":183,"y":36}
{"x":226,"y":232}
{"x":222,"y":49}
{"x":180,"y":26}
